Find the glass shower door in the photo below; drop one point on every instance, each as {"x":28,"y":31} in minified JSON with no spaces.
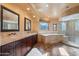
{"x":71,"y":30}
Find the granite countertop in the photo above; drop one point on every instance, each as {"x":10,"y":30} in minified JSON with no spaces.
{"x":4,"y":39}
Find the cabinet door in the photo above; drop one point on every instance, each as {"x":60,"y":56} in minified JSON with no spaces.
{"x":34,"y":39}
{"x":18,"y":48}
{"x":8,"y":49}
{"x":11,"y":48}
{"x":26,"y":45}
{"x":29,"y":41}
{"x":4,"y":51}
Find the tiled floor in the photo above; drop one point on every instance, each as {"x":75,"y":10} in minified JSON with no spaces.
{"x":53,"y":49}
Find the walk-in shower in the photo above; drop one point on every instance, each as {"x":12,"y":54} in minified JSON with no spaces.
{"x":69,"y":25}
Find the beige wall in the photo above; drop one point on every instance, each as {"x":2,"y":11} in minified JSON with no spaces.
{"x":15,"y":8}
{"x":34,"y":21}
{"x":22,"y":14}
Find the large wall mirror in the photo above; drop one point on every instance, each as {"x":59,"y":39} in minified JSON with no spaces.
{"x":27,"y":24}
{"x":9,"y":20}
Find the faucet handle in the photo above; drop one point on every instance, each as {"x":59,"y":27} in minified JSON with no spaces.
{"x":12,"y":34}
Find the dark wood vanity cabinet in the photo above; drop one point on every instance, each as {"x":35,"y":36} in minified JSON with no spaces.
{"x":19,"y":48}
{"x":8,"y":49}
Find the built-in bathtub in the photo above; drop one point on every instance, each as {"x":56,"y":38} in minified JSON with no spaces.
{"x":51,"y":38}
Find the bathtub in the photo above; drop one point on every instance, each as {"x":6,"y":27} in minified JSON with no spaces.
{"x":51,"y":38}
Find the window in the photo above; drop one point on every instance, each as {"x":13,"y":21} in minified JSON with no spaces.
{"x":43,"y":25}
{"x":77,"y":25}
{"x":63,"y":26}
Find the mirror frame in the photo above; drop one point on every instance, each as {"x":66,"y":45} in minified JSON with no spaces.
{"x":54,"y":28}
{"x":7,"y":30}
{"x":27,"y":25}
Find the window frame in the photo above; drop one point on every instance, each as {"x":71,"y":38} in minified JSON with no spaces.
{"x":44,"y":22}
{"x":55,"y":28}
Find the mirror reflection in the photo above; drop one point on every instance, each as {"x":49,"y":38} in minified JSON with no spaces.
{"x":9,"y":20}
{"x":27,"y":25}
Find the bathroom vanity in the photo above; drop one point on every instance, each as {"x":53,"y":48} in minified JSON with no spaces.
{"x":21,"y":45}
{"x":13,"y":42}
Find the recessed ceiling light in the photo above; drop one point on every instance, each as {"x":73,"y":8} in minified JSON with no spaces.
{"x":39,"y":9}
{"x":48,"y":16}
{"x":55,"y":12}
{"x":28,"y":8}
{"x":34,"y":16}
{"x":47,"y":5}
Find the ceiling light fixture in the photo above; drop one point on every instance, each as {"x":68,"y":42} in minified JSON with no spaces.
{"x":47,"y":5}
{"x":34,"y":16}
{"x":39,"y":9}
{"x":48,"y":16}
{"x":55,"y":12}
{"x":28,"y":9}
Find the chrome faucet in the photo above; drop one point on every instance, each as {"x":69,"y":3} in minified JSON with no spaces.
{"x":12,"y":34}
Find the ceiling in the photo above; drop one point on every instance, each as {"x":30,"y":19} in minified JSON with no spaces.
{"x":52,"y":9}
{"x":49,"y":10}
{"x":46,"y":10}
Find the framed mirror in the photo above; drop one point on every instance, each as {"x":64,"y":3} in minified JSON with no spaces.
{"x":27,"y":24}
{"x":54,"y":27}
{"x":9,"y":20}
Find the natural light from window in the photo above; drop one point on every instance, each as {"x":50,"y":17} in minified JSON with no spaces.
{"x":43,"y":26}
{"x":63,"y":26}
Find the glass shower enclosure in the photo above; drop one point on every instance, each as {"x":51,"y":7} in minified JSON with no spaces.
{"x":71,"y":30}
